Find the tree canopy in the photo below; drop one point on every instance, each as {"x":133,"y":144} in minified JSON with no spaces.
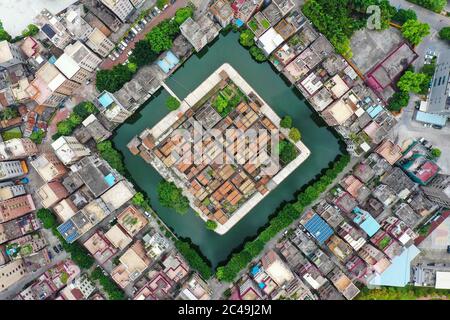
{"x":211,"y":225}
{"x":247,"y":38}
{"x":287,"y":151}
{"x":433,"y":5}
{"x":114,"y":79}
{"x":295,"y":135}
{"x":404,"y":15}
{"x":172,"y":103}
{"x":414,"y":31}
{"x":444,"y":33}
{"x":171,"y":196}
{"x":4,"y":35}
{"x":398,"y":101}
{"x":412,"y":82}
{"x":286,"y":122}
{"x":143,"y":53}
{"x":183,"y":14}
{"x":111,"y":155}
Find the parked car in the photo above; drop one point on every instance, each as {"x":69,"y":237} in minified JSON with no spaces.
{"x":116,"y":54}
{"x":123,"y":43}
{"x":129,"y":53}
{"x":60,"y":247}
{"x":137,"y":27}
{"x":55,"y":248}
{"x":436,"y":126}
{"x":144,"y":21}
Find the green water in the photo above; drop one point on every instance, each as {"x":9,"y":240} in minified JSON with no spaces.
{"x":282,"y":98}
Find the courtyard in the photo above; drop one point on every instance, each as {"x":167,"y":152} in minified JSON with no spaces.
{"x":282,"y":98}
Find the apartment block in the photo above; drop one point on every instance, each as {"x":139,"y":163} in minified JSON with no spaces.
{"x":10,"y":54}
{"x":16,"y":207}
{"x":51,"y":193}
{"x":18,"y":148}
{"x":49,"y":167}
{"x":83,"y":56}
{"x":121,"y":8}
{"x":69,"y":150}
{"x":53,"y":29}
{"x":10,"y":273}
{"x":12,"y":169}
{"x":71,"y":69}
{"x":99,"y":43}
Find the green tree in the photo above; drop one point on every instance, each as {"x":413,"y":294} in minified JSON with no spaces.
{"x":194,"y":259}
{"x":414,"y":31}
{"x":30,"y":31}
{"x":286,"y":122}
{"x":444,"y":33}
{"x":172,"y":103}
{"x":257,"y":54}
{"x":47,"y":218}
{"x":37,"y":136}
{"x":412,"y":82}
{"x":114,"y":79}
{"x":404,"y":15}
{"x":295,"y":135}
{"x":183,"y":14}
{"x":172,"y":197}
{"x":436,"y":153}
{"x":9,"y":113}
{"x":143,"y":53}
{"x":84,"y":109}
{"x":211,"y":225}
{"x":161,"y":3}
{"x":3,"y":34}
{"x":287,"y":151}
{"x":398,"y":101}
{"x":247,"y":38}
{"x":74,"y":119}
{"x":64,"y":127}
{"x":111,"y":155}
{"x":433,"y":5}
{"x":159,"y":38}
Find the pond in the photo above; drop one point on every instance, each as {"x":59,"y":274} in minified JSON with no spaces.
{"x":283,"y":98}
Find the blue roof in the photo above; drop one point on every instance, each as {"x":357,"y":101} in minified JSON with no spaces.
{"x":318,"y":228}
{"x":110,"y":179}
{"x":366,"y":222}
{"x":398,"y":274}
{"x":69,"y":231}
{"x":168,"y":62}
{"x":239,"y":22}
{"x":254,"y":270}
{"x":52,"y":60}
{"x":48,"y":30}
{"x":431,"y":118}
{"x":105,"y":100}
{"x":374,"y":111}
{"x":262,"y":285}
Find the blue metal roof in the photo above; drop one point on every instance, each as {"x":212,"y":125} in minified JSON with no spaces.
{"x":374,"y":111}
{"x":110,"y":179}
{"x":366,"y":222}
{"x":168,"y":62}
{"x":318,"y":228}
{"x":431,"y":118}
{"x":105,"y":100}
{"x":69,"y":231}
{"x":239,"y":22}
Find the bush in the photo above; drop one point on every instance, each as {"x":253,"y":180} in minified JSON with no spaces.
{"x":172,"y":103}
{"x":414,"y":31}
{"x":111,"y":155}
{"x":247,"y":38}
{"x":398,"y":101}
{"x":436,"y":153}
{"x":194,"y":259}
{"x":444,"y":33}
{"x":258,"y":54}
{"x":404,"y":15}
{"x":172,"y":197}
{"x":37,"y":136}
{"x":433,"y":5}
{"x":295,"y":135}
{"x":211,"y":225}
{"x":30,"y":31}
{"x":286,"y":122}
{"x":183,"y":14}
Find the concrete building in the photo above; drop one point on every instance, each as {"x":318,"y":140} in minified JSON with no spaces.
{"x":112,"y":109}
{"x":12,"y":169}
{"x":222,"y":12}
{"x":11,"y":273}
{"x":100,"y":247}
{"x":118,"y":195}
{"x":16,"y":207}
{"x":199,"y":32}
{"x":99,"y":43}
{"x":51,"y":193}
{"x":439,"y":98}
{"x":71,"y":69}
{"x":155,"y":245}
{"x":83,"y":56}
{"x":132,"y":220}
{"x":438,"y":190}
{"x":50,"y":87}
{"x":195,"y":289}
{"x":341,"y":110}
{"x":121,"y":8}
{"x":10,"y":54}
{"x":53,"y":29}
{"x":118,"y":238}
{"x":49,"y":167}
{"x":17,"y":148}
{"x":95,"y":129}
{"x":276,"y":268}
{"x":269,"y":41}
{"x":80,"y":288}
{"x":11,"y":191}
{"x":69,"y":150}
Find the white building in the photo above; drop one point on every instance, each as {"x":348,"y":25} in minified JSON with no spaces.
{"x":53,"y":29}
{"x":112,"y":109}
{"x":18,"y":148}
{"x":269,"y":41}
{"x":10,"y":54}
{"x":121,"y":8}
{"x":99,"y":43}
{"x":71,"y":69}
{"x":83,"y":56}
{"x":69,"y":150}
{"x":11,"y":169}
{"x":155,"y":245}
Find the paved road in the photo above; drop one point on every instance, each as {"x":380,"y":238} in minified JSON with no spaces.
{"x":436,"y":21}
{"x":166,"y":14}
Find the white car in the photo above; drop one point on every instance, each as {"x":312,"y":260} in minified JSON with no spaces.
{"x":129,"y":53}
{"x":123,"y":43}
{"x":138,"y":27}
{"x":144,"y":21}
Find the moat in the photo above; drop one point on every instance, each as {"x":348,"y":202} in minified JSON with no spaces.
{"x":284,"y":99}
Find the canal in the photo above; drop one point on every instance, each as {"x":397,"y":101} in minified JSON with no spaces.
{"x":284,"y":99}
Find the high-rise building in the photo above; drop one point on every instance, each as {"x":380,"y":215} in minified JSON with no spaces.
{"x":16,"y":207}
{"x":12,"y":169}
{"x":438,"y":190}
{"x":10,"y":54}
{"x":121,"y":8}
{"x":49,"y":167}
{"x":69,"y":150}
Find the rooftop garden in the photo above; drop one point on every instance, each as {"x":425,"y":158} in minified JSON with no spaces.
{"x":228,"y":99}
